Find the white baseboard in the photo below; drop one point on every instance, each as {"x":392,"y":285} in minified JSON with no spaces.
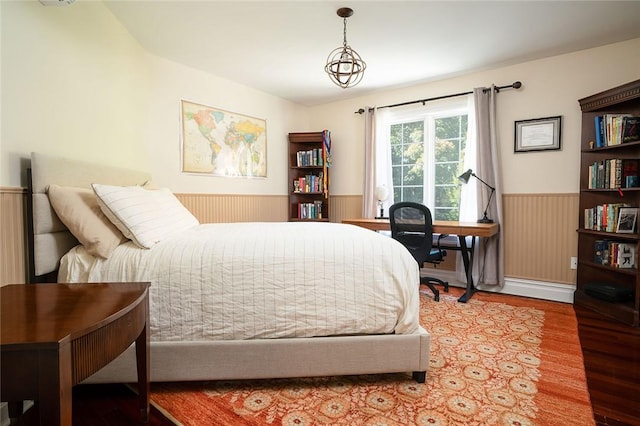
{"x":518,"y":287}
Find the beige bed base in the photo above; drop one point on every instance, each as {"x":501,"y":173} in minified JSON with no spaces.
{"x":49,"y":240}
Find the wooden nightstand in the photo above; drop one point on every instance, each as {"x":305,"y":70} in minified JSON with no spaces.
{"x":56,"y":335}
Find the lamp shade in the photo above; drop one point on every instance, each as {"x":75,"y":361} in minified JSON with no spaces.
{"x":464,"y":178}
{"x":381,"y":193}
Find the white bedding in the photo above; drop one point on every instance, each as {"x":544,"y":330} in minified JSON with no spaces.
{"x":235,"y":281}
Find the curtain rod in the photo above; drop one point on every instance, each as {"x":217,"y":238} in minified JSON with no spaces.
{"x":515,"y":85}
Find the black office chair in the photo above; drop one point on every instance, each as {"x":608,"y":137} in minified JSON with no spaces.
{"x":412,"y":226}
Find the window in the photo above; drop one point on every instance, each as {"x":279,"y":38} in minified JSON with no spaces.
{"x":427,"y":156}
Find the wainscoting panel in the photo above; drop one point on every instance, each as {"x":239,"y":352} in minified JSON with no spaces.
{"x":215,"y":208}
{"x":12,"y":236}
{"x":539,"y":229}
{"x":540,"y":236}
{"x":345,"y":207}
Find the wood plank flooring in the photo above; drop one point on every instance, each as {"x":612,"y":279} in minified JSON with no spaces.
{"x":612,"y":363}
{"x":611,"y":353}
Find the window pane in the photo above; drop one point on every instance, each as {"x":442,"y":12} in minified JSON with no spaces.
{"x":413,"y":175}
{"x":448,"y":127}
{"x":413,"y":193}
{"x":396,"y":154}
{"x":447,"y":150}
{"x":396,"y":172}
{"x":395,"y":134}
{"x":445,"y":214}
{"x":408,"y":151}
{"x":413,"y":153}
{"x":413,"y":132}
{"x":447,"y":173}
{"x":447,"y":196}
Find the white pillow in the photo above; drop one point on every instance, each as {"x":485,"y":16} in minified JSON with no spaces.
{"x":144,"y":216}
{"x":78,"y":209}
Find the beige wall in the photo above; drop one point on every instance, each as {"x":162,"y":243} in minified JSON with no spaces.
{"x":73,"y":83}
{"x":551,"y":87}
{"x":76,"y":84}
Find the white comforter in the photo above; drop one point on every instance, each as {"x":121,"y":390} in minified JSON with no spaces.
{"x":265,"y":280}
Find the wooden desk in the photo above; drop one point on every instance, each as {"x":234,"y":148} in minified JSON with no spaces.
{"x":56,"y":335}
{"x":461,"y":229}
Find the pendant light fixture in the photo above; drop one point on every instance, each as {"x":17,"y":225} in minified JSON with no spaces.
{"x":344,"y":66}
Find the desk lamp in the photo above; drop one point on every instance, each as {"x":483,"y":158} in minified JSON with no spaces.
{"x":381,"y":195}
{"x":464,"y":178}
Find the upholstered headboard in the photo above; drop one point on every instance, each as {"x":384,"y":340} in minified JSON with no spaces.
{"x":48,"y":237}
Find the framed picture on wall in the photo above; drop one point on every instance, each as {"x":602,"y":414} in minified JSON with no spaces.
{"x":540,"y":134}
{"x":217,"y":142}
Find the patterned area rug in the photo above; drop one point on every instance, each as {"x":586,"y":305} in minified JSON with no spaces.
{"x":496,"y":360}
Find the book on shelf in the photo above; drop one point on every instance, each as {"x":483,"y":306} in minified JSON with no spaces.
{"x":309,"y":183}
{"x":310,"y":210}
{"x":600,"y":137}
{"x":601,"y":252}
{"x":630,"y":129}
{"x":311,"y":157}
{"x":630,"y":173}
{"x":603,"y":217}
{"x":609,"y":129}
{"x":626,"y":256}
{"x":615,"y":254}
{"x":613,"y":173}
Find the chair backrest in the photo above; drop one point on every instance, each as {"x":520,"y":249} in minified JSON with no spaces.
{"x":411,"y":225}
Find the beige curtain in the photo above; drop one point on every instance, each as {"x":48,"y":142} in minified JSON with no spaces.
{"x":489,"y":255}
{"x":368,"y":191}
{"x":377,"y":163}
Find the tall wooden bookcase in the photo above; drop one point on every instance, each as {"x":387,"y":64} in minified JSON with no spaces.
{"x":309,"y":176}
{"x":592,"y":274}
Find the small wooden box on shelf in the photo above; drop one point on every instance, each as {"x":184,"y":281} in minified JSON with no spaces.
{"x":608,"y":182}
{"x":309,"y":176}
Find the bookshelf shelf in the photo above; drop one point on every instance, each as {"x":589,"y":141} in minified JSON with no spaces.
{"x":610,"y":235}
{"x":308,"y":176}
{"x":624,"y":99}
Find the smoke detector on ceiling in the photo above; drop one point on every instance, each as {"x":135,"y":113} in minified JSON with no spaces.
{"x":57,"y":2}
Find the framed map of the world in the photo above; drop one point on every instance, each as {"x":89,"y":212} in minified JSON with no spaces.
{"x":222,"y":143}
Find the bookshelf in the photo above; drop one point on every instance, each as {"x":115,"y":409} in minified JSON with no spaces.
{"x":608,"y":183}
{"x":309,"y":176}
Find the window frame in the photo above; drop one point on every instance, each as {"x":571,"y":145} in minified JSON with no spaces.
{"x":428,"y":115}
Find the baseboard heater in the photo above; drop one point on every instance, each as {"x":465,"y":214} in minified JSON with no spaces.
{"x":608,"y":292}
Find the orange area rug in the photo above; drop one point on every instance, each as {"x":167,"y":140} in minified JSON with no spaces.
{"x":496,"y":360}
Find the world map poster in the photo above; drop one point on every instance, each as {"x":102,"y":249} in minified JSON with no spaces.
{"x":222,"y":143}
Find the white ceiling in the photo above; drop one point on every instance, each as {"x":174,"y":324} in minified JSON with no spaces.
{"x":280,"y":47}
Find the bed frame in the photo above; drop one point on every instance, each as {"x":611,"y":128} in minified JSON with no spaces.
{"x":49,"y":240}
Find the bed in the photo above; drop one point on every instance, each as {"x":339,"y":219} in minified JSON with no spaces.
{"x":235,"y":300}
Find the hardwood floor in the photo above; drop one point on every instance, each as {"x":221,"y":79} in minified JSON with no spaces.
{"x":103,"y":405}
{"x":611,"y":355}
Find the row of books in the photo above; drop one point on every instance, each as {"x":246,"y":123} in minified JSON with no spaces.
{"x":616,"y":129}
{"x":312,"y":157}
{"x":603,"y":217}
{"x":615,"y":254}
{"x":310,"y":210}
{"x":309,"y":183}
{"x":613,"y":173}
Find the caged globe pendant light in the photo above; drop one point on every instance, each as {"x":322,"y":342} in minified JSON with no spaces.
{"x":344,"y":66}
